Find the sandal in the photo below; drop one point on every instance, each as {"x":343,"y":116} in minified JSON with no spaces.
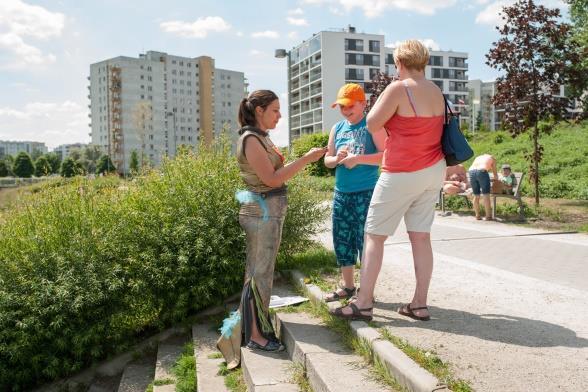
{"x":409,"y":312}
{"x":355,"y":313}
{"x":335,"y":296}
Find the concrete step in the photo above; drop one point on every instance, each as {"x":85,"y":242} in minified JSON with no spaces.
{"x":267,"y":371}
{"x":137,"y":377}
{"x":329,"y":365}
{"x":208,"y":359}
{"x":168,"y":353}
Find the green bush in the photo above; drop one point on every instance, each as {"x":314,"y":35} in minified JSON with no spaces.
{"x":87,"y":265}
{"x":42,"y":167}
{"x":23,"y":165}
{"x":304,"y":143}
{"x":4,"y":172}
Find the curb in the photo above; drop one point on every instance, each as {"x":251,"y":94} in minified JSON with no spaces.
{"x":406,"y":371}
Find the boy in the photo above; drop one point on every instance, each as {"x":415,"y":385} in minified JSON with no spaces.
{"x":508,"y":179}
{"x":356,"y":156}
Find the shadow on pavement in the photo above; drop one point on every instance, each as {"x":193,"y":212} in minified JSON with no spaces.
{"x":493,"y":327}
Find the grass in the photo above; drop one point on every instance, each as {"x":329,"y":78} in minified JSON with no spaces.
{"x":429,"y":361}
{"x":318,"y":264}
{"x":299,"y":377}
{"x":185,"y":370}
{"x":234,"y":380}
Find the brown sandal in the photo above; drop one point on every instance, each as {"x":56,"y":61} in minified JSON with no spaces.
{"x":409,"y":312}
{"x":355,"y":313}
{"x":349,"y":293}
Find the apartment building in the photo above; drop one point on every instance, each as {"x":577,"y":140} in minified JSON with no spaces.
{"x":64,"y":150}
{"x":14,"y":147}
{"x":156,"y":103}
{"x":319,"y":66}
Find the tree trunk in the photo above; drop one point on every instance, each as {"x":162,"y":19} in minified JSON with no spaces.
{"x":536,"y":157}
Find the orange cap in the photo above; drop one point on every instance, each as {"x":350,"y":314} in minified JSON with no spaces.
{"x":349,"y":94}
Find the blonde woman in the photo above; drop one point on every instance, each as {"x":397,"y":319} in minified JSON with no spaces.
{"x":413,"y":170}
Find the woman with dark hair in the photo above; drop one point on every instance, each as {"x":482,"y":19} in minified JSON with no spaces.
{"x":262,"y":212}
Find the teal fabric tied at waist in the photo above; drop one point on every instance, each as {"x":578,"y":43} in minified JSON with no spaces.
{"x":250,"y":197}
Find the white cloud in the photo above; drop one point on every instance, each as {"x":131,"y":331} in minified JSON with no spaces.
{"x":51,"y":122}
{"x":19,"y":22}
{"x":297,"y":21}
{"x":266,"y":34}
{"x":375,"y":8}
{"x":200,"y":28}
{"x":296,"y":11}
{"x":428,"y":42}
{"x":293,"y":35}
{"x":491,"y":14}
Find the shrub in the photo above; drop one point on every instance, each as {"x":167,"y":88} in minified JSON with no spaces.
{"x":498,"y":138}
{"x":42,"y":167}
{"x":87,"y":265}
{"x":105,"y":165}
{"x":304,"y":143}
{"x":3,"y":169}
{"x":23,"y":165}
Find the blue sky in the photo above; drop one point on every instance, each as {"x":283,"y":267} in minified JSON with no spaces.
{"x":46,"y":47}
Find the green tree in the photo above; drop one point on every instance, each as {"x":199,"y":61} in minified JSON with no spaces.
{"x":304,"y":143}
{"x":537,"y":56}
{"x":105,"y":165}
{"x":42,"y":167}
{"x":3,"y":169}
{"x":23,"y":165}
{"x":55,"y":162}
{"x":70,"y":168}
{"x":579,"y":18}
{"x":134,"y":165}
{"x":91,"y":155}
{"x":36,"y":154}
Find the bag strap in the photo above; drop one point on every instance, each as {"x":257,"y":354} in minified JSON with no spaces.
{"x":447,"y":108}
{"x":410,"y":97}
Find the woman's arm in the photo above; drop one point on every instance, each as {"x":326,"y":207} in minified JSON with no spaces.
{"x":257,"y":157}
{"x":384,"y":108}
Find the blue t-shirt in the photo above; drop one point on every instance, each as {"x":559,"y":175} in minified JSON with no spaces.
{"x":358,"y":141}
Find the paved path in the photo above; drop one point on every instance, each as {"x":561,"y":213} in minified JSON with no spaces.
{"x":509,"y":304}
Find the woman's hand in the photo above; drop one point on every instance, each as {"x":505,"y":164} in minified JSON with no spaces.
{"x":350,"y":161}
{"x":315,"y":153}
{"x":341,"y":154}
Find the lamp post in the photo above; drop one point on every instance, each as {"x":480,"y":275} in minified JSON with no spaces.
{"x":280,"y":54}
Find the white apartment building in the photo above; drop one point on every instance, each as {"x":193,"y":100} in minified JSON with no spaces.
{"x":481,"y":94}
{"x":230,"y":88}
{"x":14,"y":147}
{"x":64,"y":150}
{"x":319,"y":66}
{"x":154,"y":104}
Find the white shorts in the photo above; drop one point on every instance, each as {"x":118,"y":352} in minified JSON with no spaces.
{"x":410,"y":195}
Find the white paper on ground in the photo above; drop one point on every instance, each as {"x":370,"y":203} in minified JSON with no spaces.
{"x":278,"y":302}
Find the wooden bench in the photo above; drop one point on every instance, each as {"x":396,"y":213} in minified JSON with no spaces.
{"x":516,"y":190}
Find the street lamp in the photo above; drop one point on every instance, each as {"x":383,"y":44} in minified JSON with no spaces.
{"x":280,"y":54}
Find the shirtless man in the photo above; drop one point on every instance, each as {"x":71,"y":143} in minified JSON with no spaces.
{"x":480,"y":182}
{"x":456,"y":180}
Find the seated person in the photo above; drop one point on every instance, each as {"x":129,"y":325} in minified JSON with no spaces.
{"x":456,"y":180}
{"x":508,"y":179}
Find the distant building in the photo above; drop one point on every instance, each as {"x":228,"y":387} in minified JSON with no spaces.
{"x":320,"y":65}
{"x":158,"y":102}
{"x":64,"y":150}
{"x":14,"y":147}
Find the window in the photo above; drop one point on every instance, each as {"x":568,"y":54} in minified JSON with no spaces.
{"x":354,"y":44}
{"x":141,"y":77}
{"x":374,"y":72}
{"x":389,"y":58}
{"x":354,"y":74}
{"x":354,"y":58}
{"x":173,"y":61}
{"x":458,"y":62}
{"x":436,"y":60}
{"x":439,"y":83}
{"x":181,"y":63}
{"x":374,"y":46}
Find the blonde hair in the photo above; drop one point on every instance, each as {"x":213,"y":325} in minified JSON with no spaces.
{"x":412,"y":54}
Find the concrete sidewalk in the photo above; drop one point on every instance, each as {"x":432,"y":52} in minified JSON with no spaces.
{"x":508,"y":304}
